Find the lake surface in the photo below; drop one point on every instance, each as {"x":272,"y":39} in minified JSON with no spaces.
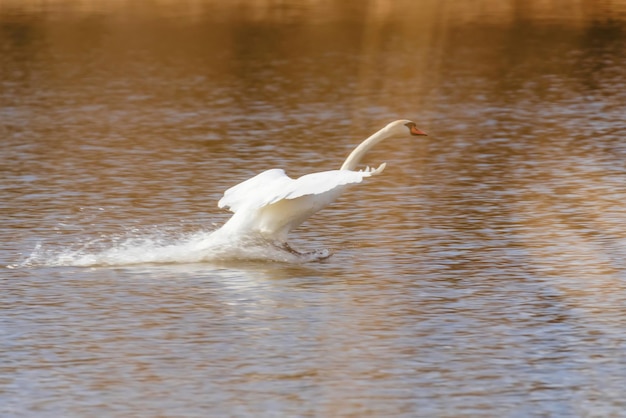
{"x":483,"y":274}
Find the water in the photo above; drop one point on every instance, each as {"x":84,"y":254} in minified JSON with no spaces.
{"x":483,"y":274}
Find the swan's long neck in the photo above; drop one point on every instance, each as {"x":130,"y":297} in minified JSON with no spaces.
{"x":355,"y":156}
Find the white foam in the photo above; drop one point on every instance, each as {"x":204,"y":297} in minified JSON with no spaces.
{"x":162,"y":248}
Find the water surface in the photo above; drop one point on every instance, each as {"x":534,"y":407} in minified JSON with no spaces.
{"x":483,"y":274}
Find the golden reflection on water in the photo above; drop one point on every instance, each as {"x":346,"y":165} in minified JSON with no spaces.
{"x":485,"y":268}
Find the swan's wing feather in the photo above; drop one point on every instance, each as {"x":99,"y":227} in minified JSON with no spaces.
{"x":252,"y":189}
{"x":318,"y":183}
{"x":274,"y":185}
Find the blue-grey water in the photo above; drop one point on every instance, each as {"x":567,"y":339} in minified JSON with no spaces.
{"x":483,"y":274}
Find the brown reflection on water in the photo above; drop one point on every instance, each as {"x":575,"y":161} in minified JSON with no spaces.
{"x":116,"y":93}
{"x":478,"y":256}
{"x":123,"y":95}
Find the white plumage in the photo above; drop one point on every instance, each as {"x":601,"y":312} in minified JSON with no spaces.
{"x":271,"y":204}
{"x":273,"y":185}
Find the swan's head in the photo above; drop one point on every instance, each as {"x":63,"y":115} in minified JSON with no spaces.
{"x":403,"y":128}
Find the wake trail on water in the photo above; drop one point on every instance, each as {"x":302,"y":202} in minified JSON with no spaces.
{"x":163,"y":248}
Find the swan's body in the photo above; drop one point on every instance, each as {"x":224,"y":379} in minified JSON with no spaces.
{"x":271,"y":204}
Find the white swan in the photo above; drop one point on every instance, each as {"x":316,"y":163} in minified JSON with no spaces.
{"x":271,"y":204}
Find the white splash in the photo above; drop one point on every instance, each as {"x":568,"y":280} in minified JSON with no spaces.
{"x":160,"y":248}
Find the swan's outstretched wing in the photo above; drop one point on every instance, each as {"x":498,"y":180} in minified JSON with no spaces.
{"x":249,"y":190}
{"x":274,"y":185}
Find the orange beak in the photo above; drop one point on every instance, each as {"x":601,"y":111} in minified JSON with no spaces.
{"x":415,"y":131}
